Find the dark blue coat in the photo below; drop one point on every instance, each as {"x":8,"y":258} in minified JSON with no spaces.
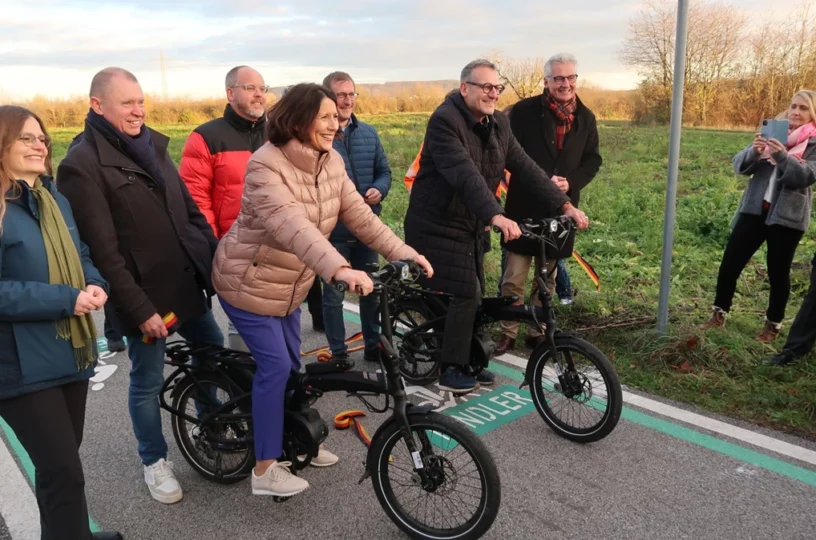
{"x":32,"y":358}
{"x":366,"y":165}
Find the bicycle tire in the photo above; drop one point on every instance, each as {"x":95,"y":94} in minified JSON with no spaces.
{"x":613,"y":399}
{"x":489,"y":501}
{"x":408,"y":363}
{"x":192,"y":455}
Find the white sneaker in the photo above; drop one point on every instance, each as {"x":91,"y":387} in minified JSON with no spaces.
{"x":162,"y":482}
{"x":324,"y":458}
{"x":278,"y":480}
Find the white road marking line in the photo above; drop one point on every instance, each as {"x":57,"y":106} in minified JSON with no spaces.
{"x":710,"y":424}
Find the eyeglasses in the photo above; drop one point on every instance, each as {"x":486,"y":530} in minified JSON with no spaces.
{"x":29,"y":139}
{"x":344,"y":95}
{"x":487,"y":87}
{"x":560,"y":80}
{"x":251,"y":88}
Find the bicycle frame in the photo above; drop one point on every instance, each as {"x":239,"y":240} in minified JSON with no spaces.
{"x":237,"y":368}
{"x":495,"y":309}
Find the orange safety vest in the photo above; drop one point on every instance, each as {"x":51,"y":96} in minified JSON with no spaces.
{"x":411,"y":173}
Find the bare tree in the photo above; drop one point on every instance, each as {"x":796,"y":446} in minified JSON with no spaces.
{"x":524,"y":76}
{"x":650,"y":45}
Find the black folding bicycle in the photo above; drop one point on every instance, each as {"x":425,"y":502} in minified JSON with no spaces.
{"x":573,"y":384}
{"x":433,"y":477}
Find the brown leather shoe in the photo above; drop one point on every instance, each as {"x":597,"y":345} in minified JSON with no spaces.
{"x":533,"y":342}
{"x":505,"y":344}
{"x":769,"y":332}
{"x":717,"y":319}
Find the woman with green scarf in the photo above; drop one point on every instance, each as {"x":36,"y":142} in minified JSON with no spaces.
{"x":48,"y":289}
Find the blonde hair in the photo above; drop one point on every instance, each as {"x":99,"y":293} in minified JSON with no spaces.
{"x":810,"y":99}
{"x":12,"y":120}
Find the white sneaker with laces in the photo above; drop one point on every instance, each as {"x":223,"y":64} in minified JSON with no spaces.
{"x":278,"y":480}
{"x":324,"y":458}
{"x":162,"y":482}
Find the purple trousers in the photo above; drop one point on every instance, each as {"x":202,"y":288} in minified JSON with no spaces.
{"x":274,"y":343}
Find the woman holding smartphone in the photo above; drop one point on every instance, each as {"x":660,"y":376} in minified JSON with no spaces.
{"x":772,"y":210}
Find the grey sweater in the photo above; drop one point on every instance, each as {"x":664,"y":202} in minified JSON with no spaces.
{"x":791,"y":199}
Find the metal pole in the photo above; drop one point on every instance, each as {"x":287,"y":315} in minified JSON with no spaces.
{"x":674,"y":158}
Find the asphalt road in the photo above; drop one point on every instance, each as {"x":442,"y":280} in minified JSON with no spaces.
{"x":652,"y":478}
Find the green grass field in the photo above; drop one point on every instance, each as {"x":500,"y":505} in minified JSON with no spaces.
{"x":718,"y":370}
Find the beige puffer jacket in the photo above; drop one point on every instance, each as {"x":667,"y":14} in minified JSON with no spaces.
{"x":292,"y":199}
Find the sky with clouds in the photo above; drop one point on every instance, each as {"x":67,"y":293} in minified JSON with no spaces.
{"x":53,"y":47}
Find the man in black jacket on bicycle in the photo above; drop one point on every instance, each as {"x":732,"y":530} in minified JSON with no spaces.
{"x":466,"y":150}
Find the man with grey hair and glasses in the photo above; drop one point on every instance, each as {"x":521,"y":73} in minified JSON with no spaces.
{"x":216,"y":154}
{"x":466,"y":150}
{"x":560,"y":134}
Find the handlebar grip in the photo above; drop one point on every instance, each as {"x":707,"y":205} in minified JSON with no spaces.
{"x":341,"y":286}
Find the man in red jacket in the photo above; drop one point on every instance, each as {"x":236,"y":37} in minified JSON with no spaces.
{"x":215,"y":156}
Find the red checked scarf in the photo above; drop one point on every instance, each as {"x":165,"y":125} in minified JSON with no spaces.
{"x":564,"y":112}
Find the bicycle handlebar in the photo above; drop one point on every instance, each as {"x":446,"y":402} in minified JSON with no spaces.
{"x":405,"y":270}
{"x":536,"y":228}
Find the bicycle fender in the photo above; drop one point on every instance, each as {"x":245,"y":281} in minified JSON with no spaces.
{"x":543,"y":350}
{"x":410,"y":410}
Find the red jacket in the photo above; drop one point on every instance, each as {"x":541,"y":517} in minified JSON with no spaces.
{"x":213,"y":164}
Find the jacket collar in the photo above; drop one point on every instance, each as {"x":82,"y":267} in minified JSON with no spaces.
{"x":20,"y":193}
{"x":110,"y":156}
{"x":472,"y":121}
{"x":305,"y":158}
{"x":240,"y":123}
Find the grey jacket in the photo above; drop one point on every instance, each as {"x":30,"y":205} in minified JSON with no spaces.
{"x":791,"y":200}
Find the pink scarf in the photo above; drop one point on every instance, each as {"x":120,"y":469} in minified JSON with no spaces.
{"x":797,"y":142}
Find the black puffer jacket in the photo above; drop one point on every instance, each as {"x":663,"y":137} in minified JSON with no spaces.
{"x":452,"y":199}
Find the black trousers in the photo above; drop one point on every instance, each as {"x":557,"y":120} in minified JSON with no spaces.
{"x":459,"y":327}
{"x":748,"y":235}
{"x":802,"y":334}
{"x":112,"y":330}
{"x":315,"y":302}
{"x":49,"y":425}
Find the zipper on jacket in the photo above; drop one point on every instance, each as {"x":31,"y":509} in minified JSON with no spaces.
{"x":319,"y":219}
{"x":347,"y":144}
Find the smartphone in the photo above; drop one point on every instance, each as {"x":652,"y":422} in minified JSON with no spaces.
{"x":775,"y":129}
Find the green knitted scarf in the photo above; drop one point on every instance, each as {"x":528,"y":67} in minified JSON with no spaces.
{"x":64,"y":267}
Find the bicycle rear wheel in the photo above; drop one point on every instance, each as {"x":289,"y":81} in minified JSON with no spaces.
{"x":419,"y":351}
{"x":221,"y":449}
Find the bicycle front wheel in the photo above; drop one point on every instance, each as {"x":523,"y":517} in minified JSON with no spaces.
{"x":584,"y":403}
{"x":462,"y":494}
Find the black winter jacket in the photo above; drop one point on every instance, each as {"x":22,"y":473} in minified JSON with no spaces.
{"x":152,"y":245}
{"x":452,"y":199}
{"x":578,"y":161}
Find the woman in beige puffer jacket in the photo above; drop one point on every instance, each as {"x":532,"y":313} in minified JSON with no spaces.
{"x":296,"y":188}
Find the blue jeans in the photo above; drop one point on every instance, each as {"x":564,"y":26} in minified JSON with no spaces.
{"x":361,"y":257}
{"x":275,"y":345}
{"x":147,"y":378}
{"x":563,"y":286}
